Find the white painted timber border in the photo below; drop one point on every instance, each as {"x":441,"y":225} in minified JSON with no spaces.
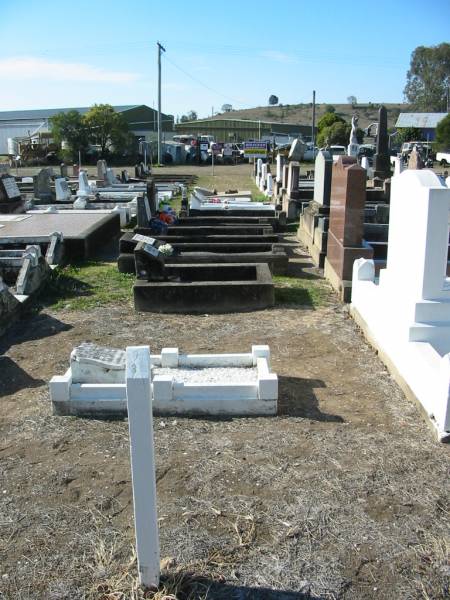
{"x":94,"y":390}
{"x":140,"y":422}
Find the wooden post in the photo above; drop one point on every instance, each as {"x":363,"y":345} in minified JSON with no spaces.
{"x":140,"y":422}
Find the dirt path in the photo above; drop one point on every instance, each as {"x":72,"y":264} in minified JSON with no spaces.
{"x":343,"y":495}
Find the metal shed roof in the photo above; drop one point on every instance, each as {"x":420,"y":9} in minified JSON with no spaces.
{"x":47,"y":113}
{"x":420,"y":120}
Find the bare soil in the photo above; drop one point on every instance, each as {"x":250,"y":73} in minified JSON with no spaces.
{"x":343,"y":495}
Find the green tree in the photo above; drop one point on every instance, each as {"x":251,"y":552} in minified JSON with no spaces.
{"x":327,"y":120}
{"x":352,"y":100}
{"x":443,"y":134}
{"x":408,"y":134}
{"x":329,"y":108}
{"x":428,"y":78}
{"x":273,"y":100}
{"x":69,"y":127}
{"x":106,"y":127}
{"x":338,"y":133}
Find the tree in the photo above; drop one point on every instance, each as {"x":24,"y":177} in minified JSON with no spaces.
{"x":329,"y":108}
{"x":191,"y":116}
{"x":352,"y":100}
{"x":69,"y":127}
{"x":273,"y":100}
{"x":327,"y":120}
{"x":428,"y":78}
{"x":227,"y":108}
{"x":408,"y":134}
{"x":106,"y":127}
{"x":338,"y":133}
{"x":443,"y":134}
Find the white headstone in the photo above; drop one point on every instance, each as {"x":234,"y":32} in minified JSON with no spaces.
{"x":110,"y":178}
{"x":63,"y":192}
{"x":83,"y":185}
{"x":269,"y":190}
{"x":279,"y":173}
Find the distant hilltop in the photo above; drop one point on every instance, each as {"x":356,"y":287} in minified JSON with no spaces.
{"x":301,"y":113}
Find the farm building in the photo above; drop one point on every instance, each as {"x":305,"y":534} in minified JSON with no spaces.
{"x":426,"y":122}
{"x":31,"y":124}
{"x":239,"y":130}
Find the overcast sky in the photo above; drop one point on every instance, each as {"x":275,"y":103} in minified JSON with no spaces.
{"x":70,"y":54}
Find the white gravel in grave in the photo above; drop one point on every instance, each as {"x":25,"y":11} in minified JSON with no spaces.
{"x":223,"y":375}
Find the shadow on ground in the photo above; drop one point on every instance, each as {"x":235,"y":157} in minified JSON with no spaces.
{"x":31,"y":327}
{"x":296,"y":398}
{"x":14,"y":378}
{"x":213,"y":590}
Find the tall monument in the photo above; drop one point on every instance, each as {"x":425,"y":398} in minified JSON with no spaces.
{"x":381,"y":163}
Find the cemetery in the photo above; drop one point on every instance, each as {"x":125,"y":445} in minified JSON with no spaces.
{"x":225,"y":354}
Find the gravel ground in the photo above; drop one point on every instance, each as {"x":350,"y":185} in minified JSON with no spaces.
{"x":226,"y":376}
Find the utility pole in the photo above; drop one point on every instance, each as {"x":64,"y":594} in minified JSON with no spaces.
{"x":313,"y":126}
{"x":160,"y":50}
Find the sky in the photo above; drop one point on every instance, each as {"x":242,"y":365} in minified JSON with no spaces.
{"x":57,"y":55}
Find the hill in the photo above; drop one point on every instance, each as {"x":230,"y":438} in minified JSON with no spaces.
{"x":301,"y":114}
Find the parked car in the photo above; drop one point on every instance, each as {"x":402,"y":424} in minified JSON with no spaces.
{"x":443,"y":158}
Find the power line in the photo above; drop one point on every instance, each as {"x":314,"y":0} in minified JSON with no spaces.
{"x":204,"y":84}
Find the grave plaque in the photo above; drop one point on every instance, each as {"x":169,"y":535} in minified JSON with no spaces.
{"x":149,"y":263}
{"x":9,"y":190}
{"x":143,"y":238}
{"x":88,"y":353}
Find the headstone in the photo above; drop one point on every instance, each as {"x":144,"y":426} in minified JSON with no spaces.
{"x":101,"y":170}
{"x":322,"y":177}
{"x":75,"y":170}
{"x":269,"y":190}
{"x":63,"y":192}
{"x":398,"y":165}
{"x":381,"y":160}
{"x":9,"y":191}
{"x":42,"y":185}
{"x":279,"y":173}
{"x":83,"y":185}
{"x":365,"y":163}
{"x":262,"y":182}
{"x":110,"y":178}
{"x":285,"y":176}
{"x":346,"y":226}
{"x":415,"y":160}
{"x":297,"y":150}
{"x":293,"y":179}
{"x":63,"y":170}
{"x":149,"y":262}
{"x":144,"y":213}
{"x":152,"y":196}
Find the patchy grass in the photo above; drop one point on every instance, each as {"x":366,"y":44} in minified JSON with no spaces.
{"x":301,"y":291}
{"x":87,"y":285}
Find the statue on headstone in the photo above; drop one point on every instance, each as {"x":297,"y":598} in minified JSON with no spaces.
{"x":353,"y":146}
{"x":353,"y":138}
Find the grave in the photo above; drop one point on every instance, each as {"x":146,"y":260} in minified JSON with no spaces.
{"x":381,"y":159}
{"x":62,"y":190}
{"x":10,"y":197}
{"x":346,"y":225}
{"x":314,"y":220}
{"x":406,"y":314}
{"x":42,"y":185}
{"x":227,"y":252}
{"x":199,"y":288}
{"x":83,"y":232}
{"x":179,"y":384}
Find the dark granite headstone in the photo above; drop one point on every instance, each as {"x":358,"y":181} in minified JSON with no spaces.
{"x":382,"y":164}
{"x":42,"y":185}
{"x":10,"y":198}
{"x":149,"y":262}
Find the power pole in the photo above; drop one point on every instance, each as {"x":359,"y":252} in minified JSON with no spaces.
{"x":313,"y":126}
{"x":160,"y":50}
